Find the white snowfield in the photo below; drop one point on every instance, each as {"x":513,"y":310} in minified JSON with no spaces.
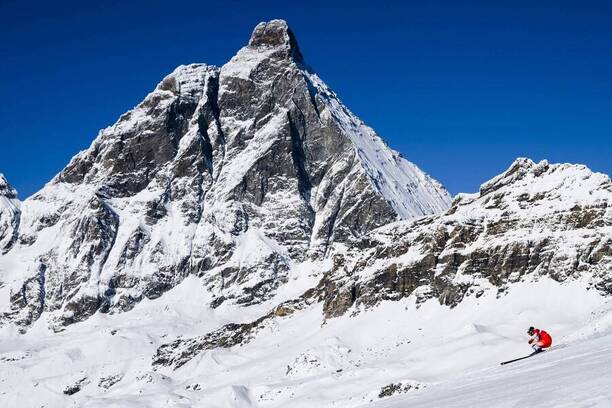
{"x":576,"y":376}
{"x":441,"y":357}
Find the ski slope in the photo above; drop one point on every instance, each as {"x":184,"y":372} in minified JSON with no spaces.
{"x":573,"y":375}
{"x":447,"y":357}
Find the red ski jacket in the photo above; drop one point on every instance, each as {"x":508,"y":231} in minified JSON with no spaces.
{"x":541,"y":337}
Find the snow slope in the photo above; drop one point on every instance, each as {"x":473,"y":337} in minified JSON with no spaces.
{"x":302,"y":361}
{"x":575,"y":376}
{"x":410,"y":191}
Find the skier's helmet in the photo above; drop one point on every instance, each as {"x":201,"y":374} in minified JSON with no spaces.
{"x":531,"y":330}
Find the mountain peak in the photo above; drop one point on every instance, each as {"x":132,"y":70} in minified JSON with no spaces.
{"x":250,"y":168}
{"x":6,"y":189}
{"x":517,"y":170}
{"x":275,"y":33}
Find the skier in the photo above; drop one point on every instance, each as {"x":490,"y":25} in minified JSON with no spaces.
{"x":539,"y":340}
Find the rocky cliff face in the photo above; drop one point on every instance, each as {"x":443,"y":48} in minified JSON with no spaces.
{"x":533,"y":220}
{"x":231,"y":174}
{"x":9,"y":215}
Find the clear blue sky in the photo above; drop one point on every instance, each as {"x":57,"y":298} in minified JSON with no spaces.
{"x":460,"y":88}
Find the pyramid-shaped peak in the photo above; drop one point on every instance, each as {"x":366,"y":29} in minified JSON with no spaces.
{"x":275,"y":33}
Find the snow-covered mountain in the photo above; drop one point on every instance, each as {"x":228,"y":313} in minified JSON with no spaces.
{"x":267,"y":249}
{"x":531,"y":221}
{"x":9,"y":215}
{"x":232,"y":174}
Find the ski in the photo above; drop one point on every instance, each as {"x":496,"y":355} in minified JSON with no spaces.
{"x":520,"y":358}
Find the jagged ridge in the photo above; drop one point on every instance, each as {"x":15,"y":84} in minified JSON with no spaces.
{"x":533,"y":220}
